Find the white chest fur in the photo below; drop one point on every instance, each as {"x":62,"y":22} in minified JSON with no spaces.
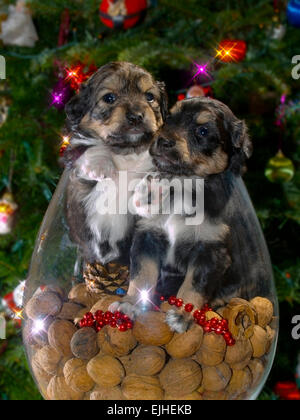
{"x":99,"y":164}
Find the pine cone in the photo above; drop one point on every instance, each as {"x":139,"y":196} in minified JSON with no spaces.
{"x":111,"y":278}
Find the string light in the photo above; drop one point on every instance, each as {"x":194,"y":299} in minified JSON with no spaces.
{"x":38,"y":326}
{"x":201,"y":70}
{"x":64,"y":145}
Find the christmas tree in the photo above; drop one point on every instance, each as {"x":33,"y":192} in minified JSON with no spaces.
{"x":173,"y":41}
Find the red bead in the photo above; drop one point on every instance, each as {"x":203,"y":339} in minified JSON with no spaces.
{"x":90,"y":323}
{"x":118,"y":315}
{"x":108,"y":314}
{"x":82,"y":323}
{"x":125,"y":317}
{"x":231,"y":342}
{"x":98,"y":328}
{"x":123,"y":327}
{"x":189,"y":307}
{"x":113,"y":324}
{"x":101,"y":324}
{"x":172,"y":300}
{"x":98,"y":314}
{"x":89,"y":315}
{"x":207,"y":328}
{"x":129,"y":325}
{"x":219,"y":331}
{"x":162,"y":298}
{"x":178,"y":303}
{"x":197,"y":314}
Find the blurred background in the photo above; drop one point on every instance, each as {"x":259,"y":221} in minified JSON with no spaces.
{"x":237,"y":51}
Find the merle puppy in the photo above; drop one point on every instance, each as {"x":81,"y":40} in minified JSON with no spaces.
{"x":200,"y":139}
{"x":112,"y":121}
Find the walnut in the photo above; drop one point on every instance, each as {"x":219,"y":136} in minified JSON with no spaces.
{"x":215,"y":396}
{"x":151,"y":329}
{"x":101,"y":393}
{"x":137,"y":387}
{"x":271,"y":337}
{"x":76,"y":376}
{"x":84,"y":344}
{"x":145,"y":360}
{"x":115,"y":342}
{"x":42,"y":377}
{"x":69,"y":311}
{"x":216,"y":378}
{"x":264,"y":310}
{"x":240,"y":382}
{"x":104,"y":302}
{"x":257,"y":369}
{"x":239,"y":355}
{"x":185,"y":344}
{"x":48,"y":359}
{"x":80,"y":294}
{"x":60,"y":334}
{"x":241,"y":318}
{"x":58,"y":290}
{"x":106,"y":371}
{"x":42,"y":305}
{"x":193,"y":396}
{"x":259,"y":341}
{"x":181,"y":377}
{"x":212,"y":350}
{"x":211,"y":314}
{"x":58,"y":390}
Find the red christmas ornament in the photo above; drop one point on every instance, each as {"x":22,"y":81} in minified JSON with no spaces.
{"x":286,"y":389}
{"x":122,"y":13}
{"x":232,"y":51}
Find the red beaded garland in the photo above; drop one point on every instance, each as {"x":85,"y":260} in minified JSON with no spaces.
{"x":189,"y":307}
{"x":100,"y":319}
{"x":178,"y":303}
{"x":172,"y":300}
{"x":124,"y":323}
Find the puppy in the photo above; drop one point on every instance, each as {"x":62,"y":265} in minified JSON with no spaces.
{"x":201,"y":139}
{"x":112,"y":121}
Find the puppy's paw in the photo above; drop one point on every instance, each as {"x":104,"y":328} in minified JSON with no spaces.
{"x":127,"y":308}
{"x":177,"y":321}
{"x":104,"y":169}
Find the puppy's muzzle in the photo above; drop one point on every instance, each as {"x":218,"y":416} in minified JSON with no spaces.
{"x":162,"y":145}
{"x":135,"y":119}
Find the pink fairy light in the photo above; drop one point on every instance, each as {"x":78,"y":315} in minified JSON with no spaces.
{"x":202,"y":70}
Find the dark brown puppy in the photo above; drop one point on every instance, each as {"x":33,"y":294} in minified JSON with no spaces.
{"x":112,"y":120}
{"x":200,"y":139}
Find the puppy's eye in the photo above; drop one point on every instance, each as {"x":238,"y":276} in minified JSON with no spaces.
{"x":202,"y":131}
{"x":109,"y":98}
{"x":150,"y":97}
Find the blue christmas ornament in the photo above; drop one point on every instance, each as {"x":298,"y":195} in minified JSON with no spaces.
{"x":293,"y":13}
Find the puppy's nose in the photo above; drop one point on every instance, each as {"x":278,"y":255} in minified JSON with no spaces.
{"x":135,"y":118}
{"x":163,"y":143}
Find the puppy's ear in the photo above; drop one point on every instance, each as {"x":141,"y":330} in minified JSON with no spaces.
{"x":241,"y":146}
{"x":163,"y":99}
{"x":78,"y":106}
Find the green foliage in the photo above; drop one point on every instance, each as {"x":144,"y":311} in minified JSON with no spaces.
{"x":174,"y":34}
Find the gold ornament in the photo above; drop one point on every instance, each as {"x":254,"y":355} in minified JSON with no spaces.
{"x":7,"y":210}
{"x":280,"y":169}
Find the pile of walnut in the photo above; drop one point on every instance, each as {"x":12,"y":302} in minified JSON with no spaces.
{"x":149,"y":362}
